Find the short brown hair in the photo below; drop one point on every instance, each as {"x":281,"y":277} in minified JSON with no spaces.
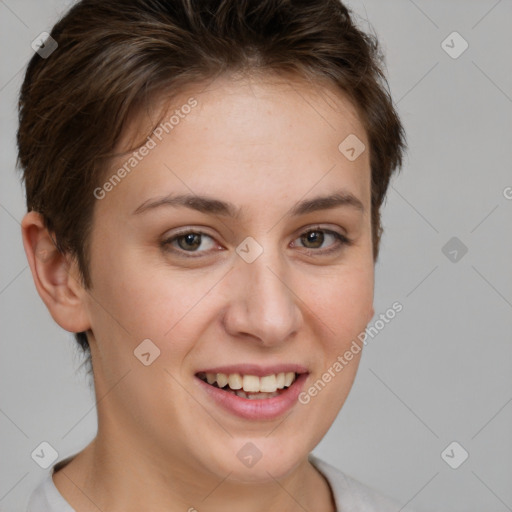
{"x":115,"y":55}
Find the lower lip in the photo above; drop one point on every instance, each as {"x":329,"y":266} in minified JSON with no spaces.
{"x":263,"y":409}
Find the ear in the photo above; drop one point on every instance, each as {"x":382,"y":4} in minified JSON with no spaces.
{"x":371,"y":314}
{"x":55,"y":275}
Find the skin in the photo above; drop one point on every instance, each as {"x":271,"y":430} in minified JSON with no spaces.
{"x":162,"y":444}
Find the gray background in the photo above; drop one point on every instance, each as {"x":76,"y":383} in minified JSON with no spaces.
{"x":439,"y":372}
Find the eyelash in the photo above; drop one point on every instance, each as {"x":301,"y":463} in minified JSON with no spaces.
{"x":341,"y":241}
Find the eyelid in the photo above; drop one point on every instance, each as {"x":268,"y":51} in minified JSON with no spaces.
{"x":168,"y":239}
{"x":319,"y":227}
{"x":341,"y":241}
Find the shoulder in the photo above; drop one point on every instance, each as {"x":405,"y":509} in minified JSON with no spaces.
{"x":350,"y":495}
{"x":46,"y":497}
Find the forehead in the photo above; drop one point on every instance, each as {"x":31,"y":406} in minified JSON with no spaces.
{"x":238,"y":96}
{"x":246,"y":138}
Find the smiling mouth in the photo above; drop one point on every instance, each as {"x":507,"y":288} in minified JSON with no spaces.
{"x":250,"y":387}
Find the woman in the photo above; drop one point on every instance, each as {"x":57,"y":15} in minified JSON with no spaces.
{"x":204,"y":183}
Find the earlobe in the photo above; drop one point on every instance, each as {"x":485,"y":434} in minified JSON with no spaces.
{"x":55,"y":276}
{"x":371,"y":314}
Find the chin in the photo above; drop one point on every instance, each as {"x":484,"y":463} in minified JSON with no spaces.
{"x":260,"y":459}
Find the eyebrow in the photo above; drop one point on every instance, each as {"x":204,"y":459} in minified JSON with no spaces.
{"x":210,"y":205}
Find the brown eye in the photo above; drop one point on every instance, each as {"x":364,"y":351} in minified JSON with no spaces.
{"x":315,"y":238}
{"x":189,"y":242}
{"x":314,"y":241}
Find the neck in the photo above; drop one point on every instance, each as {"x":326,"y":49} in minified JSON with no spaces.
{"x":110,"y":474}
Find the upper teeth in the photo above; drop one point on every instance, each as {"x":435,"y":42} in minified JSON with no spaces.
{"x":252,"y":383}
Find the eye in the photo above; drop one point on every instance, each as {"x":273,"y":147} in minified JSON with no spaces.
{"x":314,"y":240}
{"x":189,"y":241}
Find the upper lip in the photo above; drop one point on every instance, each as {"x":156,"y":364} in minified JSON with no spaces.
{"x":255,"y":369}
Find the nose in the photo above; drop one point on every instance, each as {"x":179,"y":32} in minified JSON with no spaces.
{"x":262,"y":305}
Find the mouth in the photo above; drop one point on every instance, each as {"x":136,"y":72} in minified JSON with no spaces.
{"x":252,"y":392}
{"x":250,"y":387}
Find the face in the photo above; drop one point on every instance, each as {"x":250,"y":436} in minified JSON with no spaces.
{"x":217,"y":250}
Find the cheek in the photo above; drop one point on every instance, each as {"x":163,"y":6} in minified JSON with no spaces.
{"x":343,"y":301}
{"x":133,"y":301}
{"x":344,"y":305}
{"x":344,"y":308}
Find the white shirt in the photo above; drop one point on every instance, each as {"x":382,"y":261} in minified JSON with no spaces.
{"x":349,"y":495}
